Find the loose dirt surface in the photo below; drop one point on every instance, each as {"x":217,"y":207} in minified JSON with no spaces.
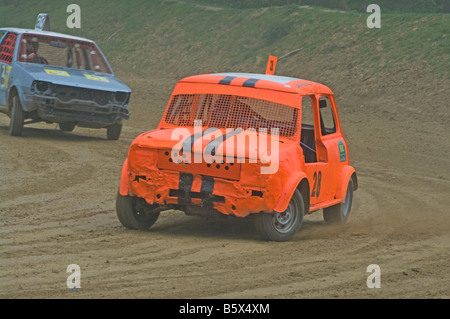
{"x":57,"y":208}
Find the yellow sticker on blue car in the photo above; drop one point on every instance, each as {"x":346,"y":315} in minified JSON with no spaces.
{"x":5,"y":71}
{"x":96,"y":77}
{"x":56,"y":72}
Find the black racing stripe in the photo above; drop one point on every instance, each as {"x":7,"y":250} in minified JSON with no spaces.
{"x":187,"y":143}
{"x":185,"y":185}
{"x":227,"y":80}
{"x":250,"y":83}
{"x":207,"y":189}
{"x":212,"y":146}
{"x":207,"y":184}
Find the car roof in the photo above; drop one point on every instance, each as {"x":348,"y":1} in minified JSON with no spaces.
{"x":261,"y":81}
{"x":45,"y":33}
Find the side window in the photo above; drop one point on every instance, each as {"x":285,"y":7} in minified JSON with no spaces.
{"x":307,"y":111}
{"x":327,"y":122}
{"x":7,"y":48}
{"x":307,"y":138}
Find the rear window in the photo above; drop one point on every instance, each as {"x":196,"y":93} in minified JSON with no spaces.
{"x":7,"y":48}
{"x":231,"y":111}
{"x":62,"y":52}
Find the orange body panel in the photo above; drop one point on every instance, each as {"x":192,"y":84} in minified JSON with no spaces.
{"x":271,"y":106}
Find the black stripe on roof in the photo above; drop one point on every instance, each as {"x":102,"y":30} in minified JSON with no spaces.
{"x":227,"y":80}
{"x":250,"y":83}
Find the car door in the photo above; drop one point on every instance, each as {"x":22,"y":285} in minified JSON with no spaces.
{"x":330,"y":138}
{"x":320,"y":143}
{"x":7,"y":49}
{"x":313,"y":150}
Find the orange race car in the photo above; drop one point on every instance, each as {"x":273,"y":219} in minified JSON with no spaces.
{"x":260,"y":145}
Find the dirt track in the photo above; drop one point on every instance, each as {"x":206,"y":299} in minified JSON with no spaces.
{"x":57,"y":208}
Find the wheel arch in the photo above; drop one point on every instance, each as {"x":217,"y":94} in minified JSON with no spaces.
{"x":123,"y":189}
{"x":347,"y":173}
{"x":13,"y":90}
{"x":296,"y":181}
{"x":354,"y":177}
{"x":303,"y":187}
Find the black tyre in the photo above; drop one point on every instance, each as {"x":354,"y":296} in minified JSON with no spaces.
{"x":135,"y":213}
{"x":338,"y":214}
{"x":113,"y":131}
{"x":17,"y":117}
{"x":67,"y":126}
{"x":282,"y":226}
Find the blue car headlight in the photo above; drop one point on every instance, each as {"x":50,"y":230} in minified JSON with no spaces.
{"x":41,"y":87}
{"x":122,"y":97}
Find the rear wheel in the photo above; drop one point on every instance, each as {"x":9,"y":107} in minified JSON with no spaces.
{"x":17,"y":117}
{"x":113,"y":131}
{"x":282,"y":226}
{"x":135,"y":213}
{"x":338,"y":214}
{"x":66,"y":126}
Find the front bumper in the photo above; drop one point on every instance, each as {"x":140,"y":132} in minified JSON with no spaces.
{"x":238,"y":190}
{"x":86,"y":113}
{"x":194,"y":192}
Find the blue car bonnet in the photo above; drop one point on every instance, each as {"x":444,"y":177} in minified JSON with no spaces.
{"x":74,"y":77}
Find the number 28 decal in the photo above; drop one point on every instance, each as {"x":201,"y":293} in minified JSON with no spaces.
{"x":317,"y":177}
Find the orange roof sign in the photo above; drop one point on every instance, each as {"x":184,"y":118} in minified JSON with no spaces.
{"x":271,"y":64}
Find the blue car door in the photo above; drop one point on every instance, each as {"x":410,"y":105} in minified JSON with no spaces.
{"x":7,"y":46}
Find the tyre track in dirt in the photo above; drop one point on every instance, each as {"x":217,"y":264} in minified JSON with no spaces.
{"x":45,"y":201}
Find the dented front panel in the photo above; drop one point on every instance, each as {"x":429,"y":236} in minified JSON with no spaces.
{"x":240,"y":190}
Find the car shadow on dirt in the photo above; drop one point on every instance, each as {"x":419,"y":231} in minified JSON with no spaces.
{"x":53,"y":134}
{"x":217,"y":227}
{"x":175,"y":223}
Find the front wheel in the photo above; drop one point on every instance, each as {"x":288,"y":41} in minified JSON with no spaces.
{"x":17,"y":117}
{"x":66,"y":126}
{"x":282,"y":226}
{"x":338,"y":214}
{"x":135,"y":213}
{"x":113,"y":131}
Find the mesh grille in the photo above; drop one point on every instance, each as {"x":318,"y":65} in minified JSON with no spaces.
{"x":231,"y":111}
{"x":67,"y":93}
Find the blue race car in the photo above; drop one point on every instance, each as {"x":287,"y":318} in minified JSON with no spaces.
{"x":58,"y":78}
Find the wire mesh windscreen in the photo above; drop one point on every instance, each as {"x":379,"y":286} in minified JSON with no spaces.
{"x":231,"y":111}
{"x":62,"y":52}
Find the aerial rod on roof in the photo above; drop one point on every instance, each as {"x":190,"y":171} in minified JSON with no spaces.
{"x":272,"y":62}
{"x":290,"y":53}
